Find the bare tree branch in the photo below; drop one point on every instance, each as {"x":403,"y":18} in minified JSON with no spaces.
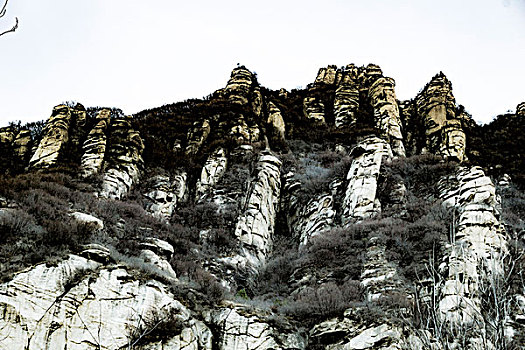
{"x":2,"y":14}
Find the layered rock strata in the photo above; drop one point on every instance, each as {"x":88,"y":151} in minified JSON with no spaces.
{"x":94,"y":148}
{"x":22,"y":143}
{"x":346,"y":101}
{"x":81,"y":304}
{"x":351,"y":81}
{"x":240,"y":86}
{"x":55,"y":136}
{"x":436,"y":108}
{"x":386,"y":112}
{"x":360,"y":201}
{"x":476,"y":251}
{"x":124,"y":160}
{"x":196,"y":136}
{"x":246,"y":330}
{"x":212,"y":171}
{"x":255,"y":226}
{"x":164,"y":193}
{"x":313,"y":109}
{"x":276,"y":121}
{"x":312,"y":219}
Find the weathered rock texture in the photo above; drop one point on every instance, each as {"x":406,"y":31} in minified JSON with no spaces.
{"x":436,"y":110}
{"x":241,"y":86}
{"x":312,"y":219}
{"x":124,"y":160}
{"x":247,"y":330}
{"x":349,"y":107}
{"x":21,"y":144}
{"x":386,"y":112}
{"x":94,"y":148}
{"x":360,"y":201}
{"x":80,"y":304}
{"x":212,"y":171}
{"x":313,"y":109}
{"x":55,"y":136}
{"x":255,"y":227}
{"x":196,"y":136}
{"x":476,"y":252}
{"x":276,"y":121}
{"x":164,"y":193}
{"x":346,"y":101}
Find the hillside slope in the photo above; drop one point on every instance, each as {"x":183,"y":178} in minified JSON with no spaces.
{"x":333,"y":217}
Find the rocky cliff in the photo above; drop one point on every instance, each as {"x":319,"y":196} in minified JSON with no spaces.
{"x":330,"y":217}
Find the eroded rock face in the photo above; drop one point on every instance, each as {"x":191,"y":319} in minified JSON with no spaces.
{"x":80,"y":304}
{"x":158,"y":253}
{"x":327,"y":75}
{"x":313,"y":109}
{"x":352,"y":333}
{"x":346,"y":101}
{"x":239,"y":87}
{"x":436,"y":108}
{"x":276,"y":121}
{"x":7,"y":135}
{"x":55,"y":136}
{"x":124,"y":160}
{"x":211,"y":173}
{"x":255,"y":227}
{"x":360,"y":201}
{"x":243,"y":330}
{"x":164,"y":193}
{"x":477,"y":247}
{"x":196,"y":136}
{"x":22,"y":143}
{"x":94,"y":148}
{"x":312,"y":219}
{"x":386,"y":112}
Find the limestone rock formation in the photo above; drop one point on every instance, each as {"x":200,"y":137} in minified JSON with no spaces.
{"x":346,"y":101}
{"x":360,"y":201}
{"x":88,"y":220}
{"x":158,"y":253}
{"x":349,"y":333}
{"x":477,"y":249}
{"x":255,"y":226}
{"x":55,"y":136}
{"x":312,"y":219}
{"x":435,"y":107}
{"x":240,"y":85}
{"x":276,"y":121}
{"x":212,"y":171}
{"x":197,"y":135}
{"x":21,"y":144}
{"x":327,"y":75}
{"x":124,"y":160}
{"x":80,"y":304}
{"x":313,"y":109}
{"x":386,"y":112}
{"x":164,"y":193}
{"x":247,"y":330}
{"x":7,"y":135}
{"x":94,"y":148}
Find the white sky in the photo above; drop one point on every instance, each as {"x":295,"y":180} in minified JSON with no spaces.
{"x":141,"y":54}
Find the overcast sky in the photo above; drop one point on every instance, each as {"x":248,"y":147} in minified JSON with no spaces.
{"x":141,"y":54}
